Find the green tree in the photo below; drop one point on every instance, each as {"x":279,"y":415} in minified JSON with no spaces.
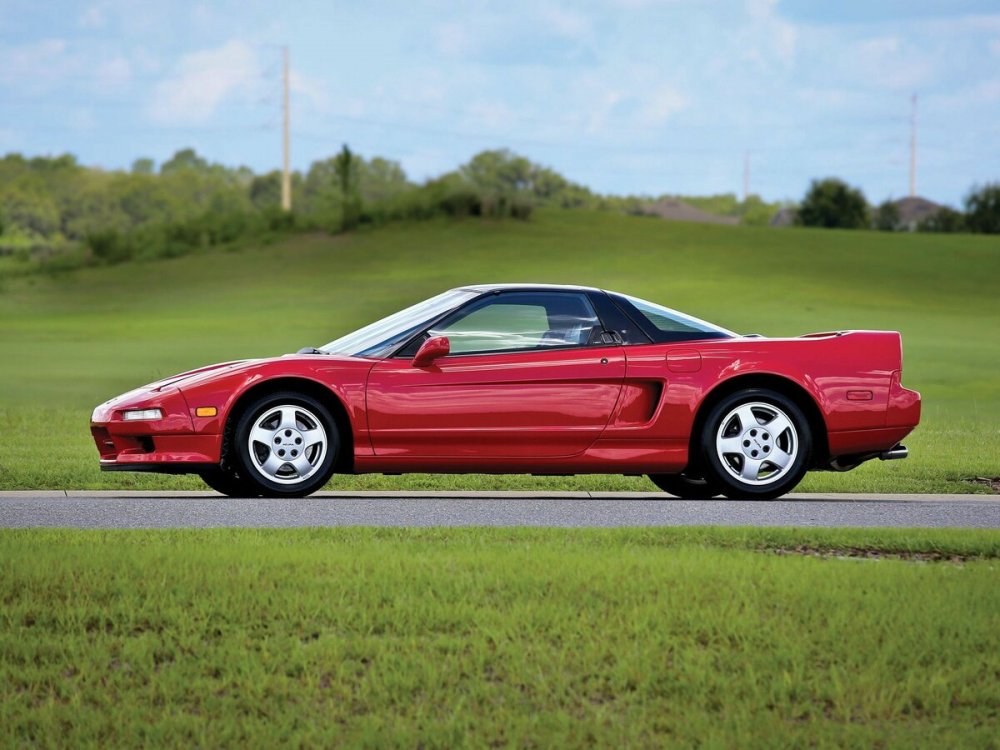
{"x":887,"y":216}
{"x":265,"y":190}
{"x":943,"y":220}
{"x":832,"y":203}
{"x":29,"y":208}
{"x":380,"y":179}
{"x":347,"y":170}
{"x":185,"y":159}
{"x":143,"y":165}
{"x":982,"y":209}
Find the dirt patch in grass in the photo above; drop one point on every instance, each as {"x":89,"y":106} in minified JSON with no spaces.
{"x":861,"y":553}
{"x":992,"y":482}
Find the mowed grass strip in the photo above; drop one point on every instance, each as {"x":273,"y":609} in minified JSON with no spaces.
{"x":71,"y":341}
{"x":485,"y":637}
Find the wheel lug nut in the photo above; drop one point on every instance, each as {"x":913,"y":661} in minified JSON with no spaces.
{"x":281,"y":453}
{"x":753,"y":453}
{"x":277,"y":440}
{"x":294,"y":454}
{"x":753,"y":433}
{"x":746,"y":443}
{"x":288,"y":433}
{"x":766,"y":449}
{"x":764,"y":435}
{"x":298,"y":441}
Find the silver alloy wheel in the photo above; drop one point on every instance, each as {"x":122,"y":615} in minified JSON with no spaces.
{"x":757,"y":443}
{"x":287,"y":444}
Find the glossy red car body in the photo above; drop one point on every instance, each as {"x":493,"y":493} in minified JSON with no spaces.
{"x":611,"y":408}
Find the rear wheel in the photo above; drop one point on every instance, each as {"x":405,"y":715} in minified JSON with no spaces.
{"x":685,"y":486}
{"x":755,"y":444}
{"x":286,"y":445}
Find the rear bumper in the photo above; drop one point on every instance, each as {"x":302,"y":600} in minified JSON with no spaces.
{"x":856,"y":442}
{"x":903,"y":408}
{"x":848,"y":448}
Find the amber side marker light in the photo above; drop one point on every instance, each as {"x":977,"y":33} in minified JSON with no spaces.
{"x":206,"y":411}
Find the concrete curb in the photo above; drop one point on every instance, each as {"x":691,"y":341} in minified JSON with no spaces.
{"x":507,"y":495}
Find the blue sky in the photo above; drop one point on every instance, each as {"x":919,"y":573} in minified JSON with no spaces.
{"x":626,"y":96}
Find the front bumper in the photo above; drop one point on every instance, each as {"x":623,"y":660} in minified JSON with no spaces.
{"x":170,"y":444}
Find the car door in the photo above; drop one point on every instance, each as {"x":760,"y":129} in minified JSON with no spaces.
{"x":524,"y":379}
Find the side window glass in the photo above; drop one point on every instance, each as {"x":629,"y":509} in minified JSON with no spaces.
{"x":521,"y":322}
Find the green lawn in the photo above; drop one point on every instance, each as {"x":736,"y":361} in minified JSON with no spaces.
{"x":497,"y":638}
{"x":69,"y":342}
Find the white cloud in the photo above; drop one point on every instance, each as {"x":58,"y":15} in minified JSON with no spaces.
{"x":766,"y":36}
{"x":36,"y":62}
{"x":114,"y":73}
{"x":565,"y":22}
{"x":93,"y":16}
{"x":887,"y":62}
{"x":52,"y":63}
{"x":661,"y":104}
{"x":203,"y":80}
{"x":490,"y":116}
{"x":453,"y":39}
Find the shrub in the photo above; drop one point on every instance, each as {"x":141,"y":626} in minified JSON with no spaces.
{"x":943,"y":220}
{"x":982,"y":209}
{"x":832,"y":203}
{"x":886,"y":217}
{"x":109,"y":246}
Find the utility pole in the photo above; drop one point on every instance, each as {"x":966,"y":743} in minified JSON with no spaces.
{"x":746,"y":175}
{"x":913,"y":146}
{"x":286,"y":175}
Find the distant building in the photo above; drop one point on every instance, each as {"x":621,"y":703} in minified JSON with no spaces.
{"x":784,"y":218}
{"x":914,"y":210}
{"x":673,"y":209}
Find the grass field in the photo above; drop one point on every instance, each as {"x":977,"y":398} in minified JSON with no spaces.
{"x":70,"y":341}
{"x":494,"y":638}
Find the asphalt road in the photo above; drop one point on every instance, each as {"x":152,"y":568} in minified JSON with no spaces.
{"x":122,"y":510}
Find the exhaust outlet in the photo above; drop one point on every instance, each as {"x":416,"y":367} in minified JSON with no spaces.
{"x":900,"y":451}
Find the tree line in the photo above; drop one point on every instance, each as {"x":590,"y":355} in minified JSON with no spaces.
{"x":52,"y":206}
{"x":63,"y":214}
{"x":832,"y":203}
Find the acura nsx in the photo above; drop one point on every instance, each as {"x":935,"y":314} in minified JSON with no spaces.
{"x":526,"y":378}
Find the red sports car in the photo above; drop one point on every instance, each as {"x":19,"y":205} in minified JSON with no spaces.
{"x":526,"y":378}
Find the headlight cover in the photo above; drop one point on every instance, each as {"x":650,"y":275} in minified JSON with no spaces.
{"x":133,"y":415}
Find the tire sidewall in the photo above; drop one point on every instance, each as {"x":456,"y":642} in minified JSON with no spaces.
{"x":718,"y":474}
{"x":683,"y":487}
{"x":240,"y":450}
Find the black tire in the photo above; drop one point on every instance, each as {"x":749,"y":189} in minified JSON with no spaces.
{"x":685,"y":486}
{"x":248,"y":467}
{"x":766,"y":486}
{"x":228,"y":483}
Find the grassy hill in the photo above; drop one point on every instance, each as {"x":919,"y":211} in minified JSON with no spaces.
{"x":71,"y":341}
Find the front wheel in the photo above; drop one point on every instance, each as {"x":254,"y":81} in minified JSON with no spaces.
{"x":228,"y":483}
{"x":755,"y":444}
{"x":286,"y":445}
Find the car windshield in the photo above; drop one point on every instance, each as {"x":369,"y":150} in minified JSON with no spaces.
{"x":377,"y":338}
{"x":671,"y":321}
